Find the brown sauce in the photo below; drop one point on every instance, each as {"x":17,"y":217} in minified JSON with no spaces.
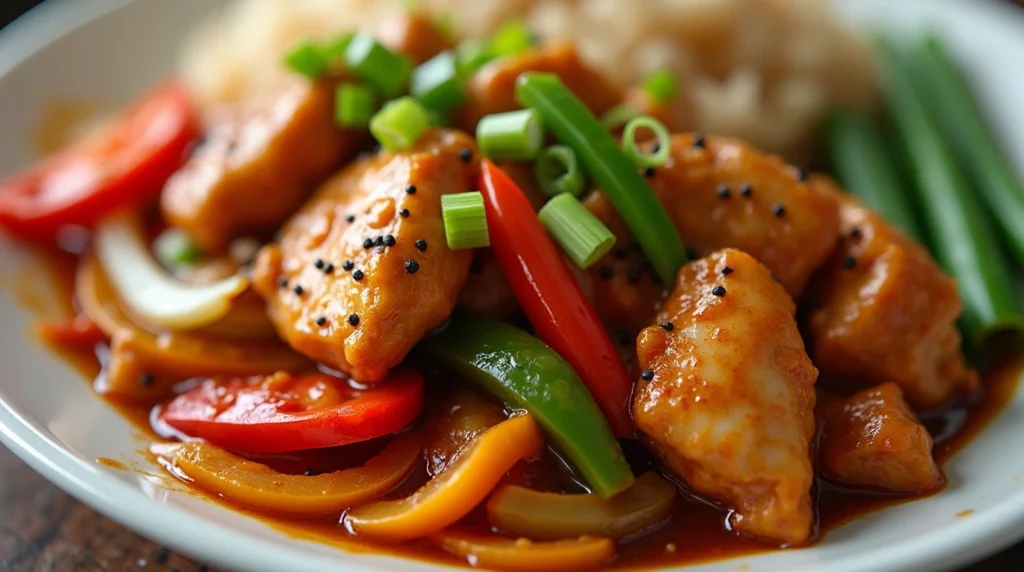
{"x":696,"y":532}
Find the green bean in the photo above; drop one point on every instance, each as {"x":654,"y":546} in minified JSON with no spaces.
{"x":860,"y":160}
{"x":949,"y":99}
{"x":962,"y":236}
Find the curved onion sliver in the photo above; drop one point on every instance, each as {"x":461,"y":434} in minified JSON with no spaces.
{"x":258,"y":486}
{"x":150,"y":291}
{"x":502,"y":553}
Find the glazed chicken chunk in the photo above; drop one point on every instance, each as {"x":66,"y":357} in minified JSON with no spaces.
{"x":363,"y":270}
{"x":872,"y":439}
{"x":726,"y":398}
{"x":882,"y":310}
{"x":256,"y":167}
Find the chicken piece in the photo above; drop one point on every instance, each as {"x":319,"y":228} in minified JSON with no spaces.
{"x":256,"y":167}
{"x":872,"y":439}
{"x":492,"y":89}
{"x":727,"y":396}
{"x":882,"y":310}
{"x":414,"y":35}
{"x":352,"y":282}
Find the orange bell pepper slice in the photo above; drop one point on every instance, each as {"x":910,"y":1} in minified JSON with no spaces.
{"x":500,"y":553}
{"x":452,"y":494}
{"x":258,"y":486}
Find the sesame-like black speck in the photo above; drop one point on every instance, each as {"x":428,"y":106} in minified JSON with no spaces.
{"x":353,"y":320}
{"x":421,"y":245}
{"x":667,"y":326}
{"x":310,"y":472}
{"x":410,"y":190}
{"x":621,"y":252}
{"x":411,"y":267}
{"x":656,"y":146}
{"x":779,"y":211}
{"x":146,"y":379}
{"x":298,"y":290}
{"x":605,"y":272}
{"x":404,"y":213}
{"x":321,"y":321}
{"x":691,"y":252}
{"x":283,"y":283}
{"x":727,"y":271}
{"x":379,"y":241}
{"x":350,"y":218}
{"x":855,"y":232}
{"x":348,"y":265}
{"x":699,"y":142}
{"x":358,"y":275}
{"x":466,"y":154}
{"x":367,"y":243}
{"x":329,"y":269}
{"x":319,"y":263}
{"x":634,"y":274}
{"x":746,"y":191}
{"x":800,"y":173}
{"x":718,"y":290}
{"x":723,"y":191}
{"x":624,"y":337}
{"x":389,"y":240}
{"x":849,"y":262}
{"x":647,"y":375}
{"x":649,"y":172}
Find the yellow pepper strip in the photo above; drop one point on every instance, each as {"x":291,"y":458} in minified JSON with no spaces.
{"x":518,"y":511}
{"x":455,"y":492}
{"x":259,"y":486}
{"x":500,"y":553}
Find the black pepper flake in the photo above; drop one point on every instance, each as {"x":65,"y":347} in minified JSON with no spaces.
{"x":718,"y":290}
{"x":319,"y":263}
{"x":855,"y":232}
{"x":358,"y":275}
{"x":310,"y":472}
{"x":298,"y":290}
{"x":746,"y":191}
{"x":379,"y":241}
{"x":699,"y":142}
{"x":348,"y":265}
{"x":283,"y":283}
{"x":605,"y":272}
{"x":656,"y":146}
{"x":367,"y":243}
{"x":466,"y":154}
{"x":410,"y":190}
{"x":647,"y":375}
{"x":321,"y":321}
{"x":849,"y":262}
{"x":667,"y":326}
{"x":634,"y":274}
{"x":621,"y":252}
{"x":800,"y":173}
{"x":727,"y":271}
{"x":146,"y":379}
{"x":624,"y":337}
{"x":723,"y":191}
{"x":389,"y":240}
{"x":353,"y":320}
{"x":404,"y":213}
{"x":649,"y":172}
{"x":421,"y":245}
{"x":411,"y":267}
{"x":778,"y":210}
{"x":350,"y":218}
{"x":329,"y":269}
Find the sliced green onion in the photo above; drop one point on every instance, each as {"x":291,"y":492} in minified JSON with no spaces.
{"x":334,"y":50}
{"x":384,"y":70}
{"x":465,"y":221}
{"x":307,"y":59}
{"x":513,"y":135}
{"x":635,"y":153}
{"x":580,"y":234}
{"x":470,"y":55}
{"x":436,"y":82}
{"x":400,"y":123}
{"x":619,"y":115}
{"x":439,"y":118}
{"x":174,"y":247}
{"x":512,"y":38}
{"x":353,"y":105}
{"x":661,"y":86}
{"x":558,"y":171}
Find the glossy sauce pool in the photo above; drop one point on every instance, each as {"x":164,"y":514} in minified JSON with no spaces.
{"x":697,"y":530}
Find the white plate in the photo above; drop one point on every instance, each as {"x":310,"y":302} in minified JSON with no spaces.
{"x":110,"y":50}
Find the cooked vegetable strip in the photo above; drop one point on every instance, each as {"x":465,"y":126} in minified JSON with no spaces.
{"x":470,"y":55}
{"x":465,"y":221}
{"x":580,"y":234}
{"x":861,"y":161}
{"x":452,"y":494}
{"x":436,"y":82}
{"x":78,"y":332}
{"x":353,"y":105}
{"x":552,"y":298}
{"x":962,"y":236}
{"x":522,"y":371}
{"x":307,"y":59}
{"x":558,"y":171}
{"x":639,"y":157}
{"x":661,"y":86}
{"x":148,"y":290}
{"x":510,"y":39}
{"x":258,"y":486}
{"x":385,"y":71}
{"x":499,"y":553}
{"x":519,"y":511}
{"x":573,"y":125}
{"x":399,"y":124}
{"x":513,"y":135}
{"x":948,"y":97}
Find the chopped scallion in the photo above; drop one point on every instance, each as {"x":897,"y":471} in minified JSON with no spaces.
{"x":510,"y":39}
{"x":307,"y":59}
{"x":399,"y":124}
{"x":661,"y":86}
{"x":635,"y":153}
{"x":353,"y":105}
{"x":436,"y":82}
{"x":334,"y":50}
{"x":174,"y":247}
{"x":581,"y":235}
{"x":558,"y":171}
{"x":384,"y":70}
{"x":439,"y":118}
{"x":618,"y":116}
{"x":465,"y":221}
{"x":470,"y":55}
{"x":513,"y":135}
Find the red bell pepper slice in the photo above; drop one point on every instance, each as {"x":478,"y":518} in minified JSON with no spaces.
{"x":283,"y":412}
{"x":123,"y":165}
{"x":552,"y":298}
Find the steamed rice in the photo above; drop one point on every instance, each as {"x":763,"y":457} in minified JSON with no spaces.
{"x":761,"y":70}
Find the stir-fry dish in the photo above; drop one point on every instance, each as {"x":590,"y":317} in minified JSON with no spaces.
{"x":475,"y":300}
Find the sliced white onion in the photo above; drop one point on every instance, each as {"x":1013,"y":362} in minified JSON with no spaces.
{"x":146,"y":287}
